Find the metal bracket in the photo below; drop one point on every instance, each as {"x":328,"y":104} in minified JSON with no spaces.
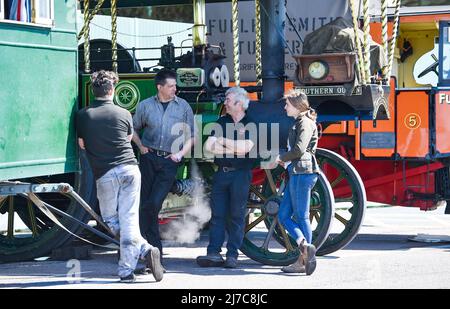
{"x":14,"y":188}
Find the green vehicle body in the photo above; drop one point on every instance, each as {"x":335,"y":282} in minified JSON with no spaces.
{"x":37,"y":132}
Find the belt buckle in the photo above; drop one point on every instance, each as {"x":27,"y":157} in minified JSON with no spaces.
{"x":227,"y":169}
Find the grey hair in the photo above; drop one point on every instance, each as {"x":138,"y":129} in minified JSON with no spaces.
{"x":240,"y":94}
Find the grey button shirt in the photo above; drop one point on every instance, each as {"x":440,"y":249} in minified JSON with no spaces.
{"x":164,"y":130}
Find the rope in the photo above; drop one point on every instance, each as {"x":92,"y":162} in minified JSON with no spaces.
{"x":384,"y":33}
{"x":394,"y":38}
{"x":360,"y":62}
{"x":87,"y":60}
{"x":143,"y":36}
{"x":258,"y":42}
{"x":114,"y":34}
{"x":91,"y":15}
{"x":366,"y":46}
{"x":235,"y":12}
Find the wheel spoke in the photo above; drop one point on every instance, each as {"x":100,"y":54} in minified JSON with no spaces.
{"x":269,"y":234}
{"x":255,"y":223}
{"x":272,"y":185}
{"x":254,"y":190}
{"x":341,"y":219}
{"x":337,"y":180}
{"x":285,"y":236}
{"x":11,"y":217}
{"x":282,"y":187}
{"x":2,"y":202}
{"x":317,"y":217}
{"x":32,"y":218}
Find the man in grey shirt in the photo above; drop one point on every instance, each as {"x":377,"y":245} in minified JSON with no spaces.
{"x":167,"y":125}
{"x":105,"y":131}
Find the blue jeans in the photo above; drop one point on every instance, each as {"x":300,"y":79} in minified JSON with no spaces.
{"x":228,"y":206}
{"x":118,"y":194}
{"x":295,"y":202}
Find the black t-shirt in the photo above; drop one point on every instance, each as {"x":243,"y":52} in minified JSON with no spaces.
{"x":165,"y":104}
{"x":245,"y":129}
{"x":105,"y":127}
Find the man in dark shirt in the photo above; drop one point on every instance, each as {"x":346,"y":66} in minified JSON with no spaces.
{"x":230,"y":142}
{"x":167,"y":124}
{"x":105,"y":131}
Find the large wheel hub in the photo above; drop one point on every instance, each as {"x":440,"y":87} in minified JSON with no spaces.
{"x":272,"y":206}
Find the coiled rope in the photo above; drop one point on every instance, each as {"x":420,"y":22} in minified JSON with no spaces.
{"x":258,"y":42}
{"x":235,"y":12}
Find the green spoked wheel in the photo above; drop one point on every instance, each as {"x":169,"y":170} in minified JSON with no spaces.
{"x":350,"y":200}
{"x":266,"y":240}
{"x":26,"y":233}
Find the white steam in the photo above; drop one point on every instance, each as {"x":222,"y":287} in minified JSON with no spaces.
{"x":186,"y":230}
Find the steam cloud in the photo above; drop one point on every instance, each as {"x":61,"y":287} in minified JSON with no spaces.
{"x":187,"y":230}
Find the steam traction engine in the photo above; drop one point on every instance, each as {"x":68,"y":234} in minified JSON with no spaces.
{"x":401,"y":153}
{"x":360,"y":111}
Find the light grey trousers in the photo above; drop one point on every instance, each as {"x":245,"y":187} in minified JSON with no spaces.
{"x":118,"y":192}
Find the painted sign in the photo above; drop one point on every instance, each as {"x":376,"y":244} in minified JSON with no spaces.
{"x":327,"y":90}
{"x":306,"y":16}
{"x":412,"y":121}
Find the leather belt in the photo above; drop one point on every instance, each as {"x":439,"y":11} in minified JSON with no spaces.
{"x":161,"y":153}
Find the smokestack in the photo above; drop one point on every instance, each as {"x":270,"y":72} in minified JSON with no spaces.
{"x":199,"y":28}
{"x":272,"y":41}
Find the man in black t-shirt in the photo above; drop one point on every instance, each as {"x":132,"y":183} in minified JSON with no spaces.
{"x":105,"y":131}
{"x":231,"y":142}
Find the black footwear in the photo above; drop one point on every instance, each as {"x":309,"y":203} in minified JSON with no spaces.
{"x":210,"y":260}
{"x":230,"y":262}
{"x":309,"y":258}
{"x":153,"y":261}
{"x":131,"y":278}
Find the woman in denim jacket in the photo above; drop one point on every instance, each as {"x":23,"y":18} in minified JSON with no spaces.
{"x":303,"y":172}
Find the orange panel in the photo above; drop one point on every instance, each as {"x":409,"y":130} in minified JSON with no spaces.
{"x":338,"y":128}
{"x":384,"y":130}
{"x":288,"y":85}
{"x":413,"y":134}
{"x":423,"y":18}
{"x":375,"y":31}
{"x":442,"y":122}
{"x":351,"y":128}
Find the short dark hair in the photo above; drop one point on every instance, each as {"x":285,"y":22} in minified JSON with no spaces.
{"x":162,"y":76}
{"x":102,"y":82}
